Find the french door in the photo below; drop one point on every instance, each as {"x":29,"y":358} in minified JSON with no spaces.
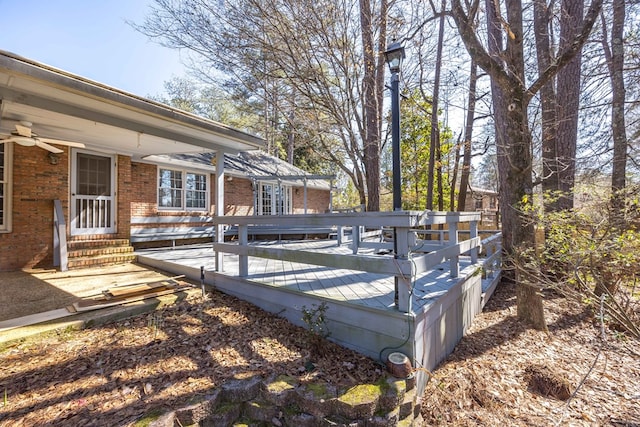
{"x":92,"y":193}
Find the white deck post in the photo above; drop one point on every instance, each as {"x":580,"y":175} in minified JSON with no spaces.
{"x":355,"y":234}
{"x":473,"y":230}
{"x":454,"y":266}
{"x":219,"y":209}
{"x":402,"y":283}
{"x":243,"y":260}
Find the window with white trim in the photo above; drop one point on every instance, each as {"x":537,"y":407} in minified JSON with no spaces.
{"x":274,"y":199}
{"x":5,"y":189}
{"x":182,"y":190}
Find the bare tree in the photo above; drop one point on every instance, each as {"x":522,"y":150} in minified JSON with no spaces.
{"x":468,"y":135}
{"x":505,"y":64}
{"x":319,"y":58}
{"x":614,"y":54}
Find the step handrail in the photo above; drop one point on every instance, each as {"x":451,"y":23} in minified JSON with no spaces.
{"x":60,"y":251}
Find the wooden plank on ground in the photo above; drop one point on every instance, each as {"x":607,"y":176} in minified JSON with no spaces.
{"x":137,"y":289}
{"x":88,"y":305}
{"x":32,"y":319}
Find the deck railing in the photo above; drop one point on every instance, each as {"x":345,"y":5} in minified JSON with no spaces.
{"x":492,"y":262}
{"x":60,"y":257}
{"x":406,"y":254}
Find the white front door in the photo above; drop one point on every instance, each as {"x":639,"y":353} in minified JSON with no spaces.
{"x":92,"y":193}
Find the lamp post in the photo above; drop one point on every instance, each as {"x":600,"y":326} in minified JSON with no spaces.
{"x":394,"y":56}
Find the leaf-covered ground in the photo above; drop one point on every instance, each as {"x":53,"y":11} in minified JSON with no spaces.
{"x":487,"y":380}
{"x":114,"y":374}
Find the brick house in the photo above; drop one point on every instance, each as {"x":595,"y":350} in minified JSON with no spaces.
{"x":123,"y":168}
{"x":485,"y":201}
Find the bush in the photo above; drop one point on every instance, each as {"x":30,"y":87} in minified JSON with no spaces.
{"x":591,"y":253}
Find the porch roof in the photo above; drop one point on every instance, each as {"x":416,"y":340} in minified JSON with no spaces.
{"x":66,"y":106}
{"x":255,"y":164}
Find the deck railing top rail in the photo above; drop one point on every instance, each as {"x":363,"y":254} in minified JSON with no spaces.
{"x":368,"y":219}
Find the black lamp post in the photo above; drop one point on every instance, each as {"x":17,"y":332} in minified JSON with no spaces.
{"x":394,"y":56}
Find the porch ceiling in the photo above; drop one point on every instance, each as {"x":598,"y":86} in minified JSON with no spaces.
{"x":65,"y":106}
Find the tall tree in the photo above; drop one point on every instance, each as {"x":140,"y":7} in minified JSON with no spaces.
{"x":614,"y":54}
{"x":468,"y":135}
{"x":327,"y":53}
{"x":435,"y":130}
{"x":505,"y":65}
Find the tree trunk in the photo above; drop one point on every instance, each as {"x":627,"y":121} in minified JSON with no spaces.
{"x":615,"y":59}
{"x":568,"y":90}
{"x":513,"y":140}
{"x":434,"y":147}
{"x":371,"y":137}
{"x":468,"y":135}
{"x":548,"y":100}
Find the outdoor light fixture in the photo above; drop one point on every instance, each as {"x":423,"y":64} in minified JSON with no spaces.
{"x":394,"y":56}
{"x":53,"y":158}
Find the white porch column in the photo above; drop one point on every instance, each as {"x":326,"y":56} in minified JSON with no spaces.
{"x":219,"y":203}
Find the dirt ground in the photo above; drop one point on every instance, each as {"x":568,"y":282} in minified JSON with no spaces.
{"x":497,"y":374}
{"x":112,"y":375}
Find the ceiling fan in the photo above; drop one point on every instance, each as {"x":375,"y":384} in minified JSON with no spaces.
{"x":24,"y":136}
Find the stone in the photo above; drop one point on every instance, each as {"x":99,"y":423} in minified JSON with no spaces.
{"x":316,"y":398}
{"x":359,"y":401}
{"x":280,"y":390}
{"x":394,"y":390}
{"x":388,"y":420}
{"x":302,"y":420}
{"x":241,"y":390}
{"x":224,"y":415}
{"x":199,"y":410}
{"x":259,"y":410}
{"x":408,"y":404}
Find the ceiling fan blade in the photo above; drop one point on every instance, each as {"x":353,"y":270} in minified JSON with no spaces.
{"x":48,"y":147}
{"x":23,"y":130}
{"x":62,"y":142}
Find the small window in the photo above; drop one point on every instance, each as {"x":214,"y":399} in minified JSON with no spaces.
{"x":478,"y":203}
{"x":196,"y":191}
{"x":182,"y":190}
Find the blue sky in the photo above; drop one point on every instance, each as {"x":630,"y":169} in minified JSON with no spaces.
{"x":90,"y":38}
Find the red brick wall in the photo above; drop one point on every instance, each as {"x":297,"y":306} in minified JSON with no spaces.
{"x":124,"y":197}
{"x":36,"y":183}
{"x":143,"y":191}
{"x":317,"y":200}
{"x":238,"y":197}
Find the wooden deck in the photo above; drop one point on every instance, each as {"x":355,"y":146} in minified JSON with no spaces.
{"x":374,"y":291}
{"x":420,"y":303}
